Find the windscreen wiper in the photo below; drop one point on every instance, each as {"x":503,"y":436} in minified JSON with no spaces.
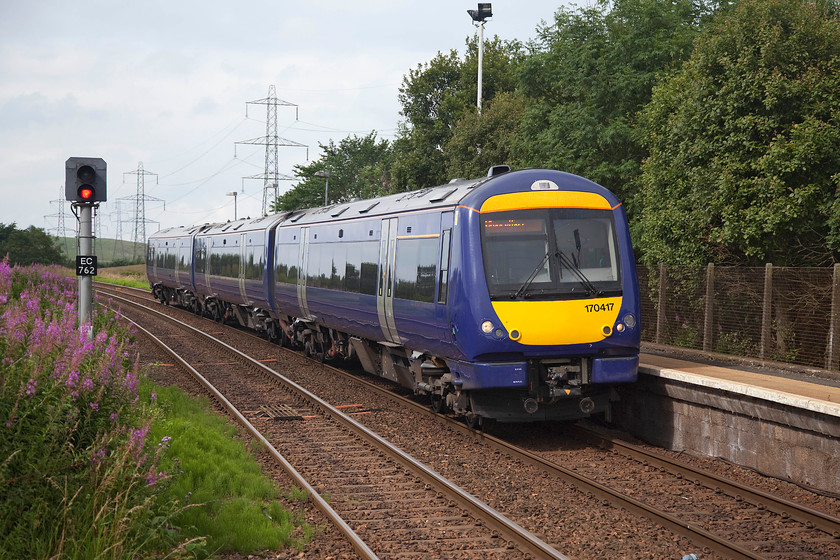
{"x":572,"y":265}
{"x":530,"y":280}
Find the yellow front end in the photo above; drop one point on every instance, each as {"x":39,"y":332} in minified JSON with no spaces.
{"x":558,"y":322}
{"x":568,"y":321}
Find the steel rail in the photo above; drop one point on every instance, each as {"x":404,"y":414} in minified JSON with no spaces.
{"x":618,"y":499}
{"x":355,"y":541}
{"x":525,"y":540}
{"x":810,"y":517}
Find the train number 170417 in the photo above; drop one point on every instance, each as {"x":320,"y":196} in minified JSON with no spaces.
{"x":599,"y":307}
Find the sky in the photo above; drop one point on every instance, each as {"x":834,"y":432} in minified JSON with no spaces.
{"x":164,"y":84}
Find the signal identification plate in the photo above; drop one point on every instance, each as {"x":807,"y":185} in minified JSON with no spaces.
{"x":86,"y":265}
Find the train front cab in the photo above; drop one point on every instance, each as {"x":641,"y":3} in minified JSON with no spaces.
{"x":561,"y":322}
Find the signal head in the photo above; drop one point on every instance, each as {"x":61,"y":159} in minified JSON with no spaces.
{"x":85,"y":180}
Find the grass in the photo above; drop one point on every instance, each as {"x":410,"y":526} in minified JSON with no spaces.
{"x":108,"y":250}
{"x":223,"y":495}
{"x":226,"y":501}
{"x":131,"y":275}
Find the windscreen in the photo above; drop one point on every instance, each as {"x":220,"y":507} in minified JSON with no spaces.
{"x":556,"y":253}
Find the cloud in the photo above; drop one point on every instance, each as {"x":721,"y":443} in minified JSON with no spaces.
{"x":167,"y":83}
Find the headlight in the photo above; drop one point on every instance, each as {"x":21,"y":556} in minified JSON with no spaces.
{"x":630,"y":320}
{"x":487,"y":327}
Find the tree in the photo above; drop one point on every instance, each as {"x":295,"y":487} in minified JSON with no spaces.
{"x":25,"y":247}
{"x":589,"y":73}
{"x":435,"y":96}
{"x":481,"y":141}
{"x":744,"y":166}
{"x":357,"y":168}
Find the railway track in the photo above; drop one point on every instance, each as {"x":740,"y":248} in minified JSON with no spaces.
{"x":724,"y":518}
{"x":386,"y":503}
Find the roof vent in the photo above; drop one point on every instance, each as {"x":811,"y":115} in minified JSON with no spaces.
{"x":498,"y":170}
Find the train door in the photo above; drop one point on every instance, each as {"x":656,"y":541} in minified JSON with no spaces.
{"x":385,"y":289}
{"x":243,"y":266}
{"x":176,"y":248}
{"x":208,"y":252}
{"x":442,"y":309}
{"x":303,"y":257}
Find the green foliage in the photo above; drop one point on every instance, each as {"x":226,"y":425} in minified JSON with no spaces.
{"x":590,"y":72}
{"x":735,"y":343}
{"x":75,"y":478}
{"x":481,"y":141}
{"x":743,"y":164}
{"x":93,"y":467}
{"x":433,"y":99}
{"x":357,"y":168}
{"x":436,"y":97}
{"x":28,"y":246}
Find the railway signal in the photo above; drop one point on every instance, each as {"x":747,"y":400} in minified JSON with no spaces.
{"x":85,"y":180}
{"x":85,"y":187}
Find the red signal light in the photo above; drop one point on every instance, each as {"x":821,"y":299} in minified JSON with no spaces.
{"x":86,"y":192}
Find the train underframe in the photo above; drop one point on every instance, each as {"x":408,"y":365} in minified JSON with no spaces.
{"x":558,"y":388}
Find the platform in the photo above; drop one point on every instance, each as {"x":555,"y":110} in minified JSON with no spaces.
{"x":819,"y":395}
{"x":778,"y":425}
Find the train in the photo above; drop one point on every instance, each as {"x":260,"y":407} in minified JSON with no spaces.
{"x":511,"y":297}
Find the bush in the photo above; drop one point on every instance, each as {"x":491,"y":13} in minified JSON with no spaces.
{"x":76,"y":478}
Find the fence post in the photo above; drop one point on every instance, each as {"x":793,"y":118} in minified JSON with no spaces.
{"x":660,"y":307}
{"x":708,"y":320}
{"x":766,"y":311}
{"x":833,"y":344}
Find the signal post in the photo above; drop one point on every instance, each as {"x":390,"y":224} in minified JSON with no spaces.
{"x":85,"y":187}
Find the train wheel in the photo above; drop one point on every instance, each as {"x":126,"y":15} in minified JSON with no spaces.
{"x":319,"y":352}
{"x":478,"y":422}
{"x":436,"y":402}
{"x":216,"y":312}
{"x":313,"y":349}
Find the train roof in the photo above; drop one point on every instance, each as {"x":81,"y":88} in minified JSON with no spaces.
{"x":442,"y":196}
{"x":431,"y":197}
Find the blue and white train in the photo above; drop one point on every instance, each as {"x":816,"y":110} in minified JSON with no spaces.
{"x":512,"y":297}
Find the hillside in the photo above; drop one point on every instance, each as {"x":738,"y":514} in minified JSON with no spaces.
{"x":108,"y":250}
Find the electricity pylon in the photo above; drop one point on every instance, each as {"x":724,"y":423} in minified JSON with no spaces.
{"x":140,"y":200}
{"x":272,"y":176}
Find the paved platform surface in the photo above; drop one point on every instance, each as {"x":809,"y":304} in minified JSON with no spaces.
{"x":809,"y":395}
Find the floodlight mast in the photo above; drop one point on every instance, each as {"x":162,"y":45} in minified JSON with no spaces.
{"x":484,"y":11}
